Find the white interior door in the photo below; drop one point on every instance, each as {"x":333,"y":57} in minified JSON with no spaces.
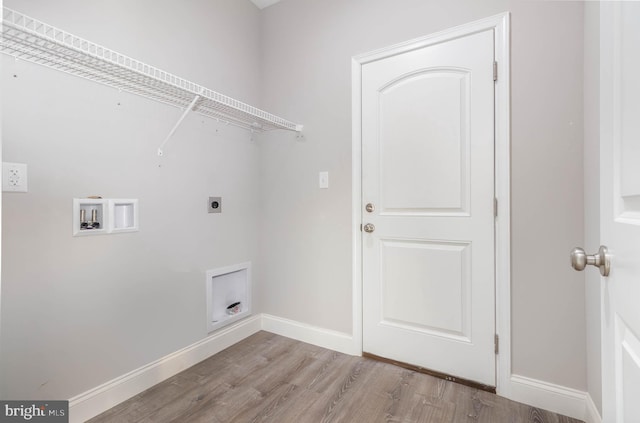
{"x":428,"y":199}
{"x":620,"y":208}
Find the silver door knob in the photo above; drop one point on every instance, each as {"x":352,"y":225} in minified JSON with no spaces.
{"x":580,"y":260}
{"x":369,"y":208}
{"x":369,"y":227}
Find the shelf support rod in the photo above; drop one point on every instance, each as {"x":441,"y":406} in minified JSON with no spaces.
{"x":184,"y":115}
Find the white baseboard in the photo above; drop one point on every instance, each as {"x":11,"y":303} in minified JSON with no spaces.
{"x":558,"y":399}
{"x":325,"y":338}
{"x":592,"y":415}
{"x":95,"y":401}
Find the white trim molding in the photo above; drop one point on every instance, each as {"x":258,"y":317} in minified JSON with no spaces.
{"x":325,"y":338}
{"x":500,"y":26}
{"x":97,"y":400}
{"x":592,"y":415}
{"x":555,"y":398}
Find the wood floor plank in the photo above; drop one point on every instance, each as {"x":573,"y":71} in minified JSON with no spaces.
{"x":399,"y":401}
{"x":271,"y":403}
{"x":329,"y":375}
{"x":267,"y":378}
{"x":431,"y":410}
{"x":382,"y":391}
{"x":372,"y":389}
{"x":186,"y":404}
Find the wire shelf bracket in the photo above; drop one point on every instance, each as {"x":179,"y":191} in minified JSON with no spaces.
{"x":32,"y":40}
{"x":189,"y":109}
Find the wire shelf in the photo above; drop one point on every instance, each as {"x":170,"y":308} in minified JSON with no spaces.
{"x":29,"y":39}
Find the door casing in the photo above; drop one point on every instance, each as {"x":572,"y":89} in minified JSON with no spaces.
{"x":500,"y":25}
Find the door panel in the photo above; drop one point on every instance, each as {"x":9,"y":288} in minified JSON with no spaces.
{"x":428,"y":169}
{"x":423,"y":136}
{"x":629,"y":137}
{"x":628,"y":371}
{"x":438,"y":305}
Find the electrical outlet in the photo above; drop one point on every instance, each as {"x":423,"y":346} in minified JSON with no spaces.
{"x":14,"y":177}
{"x":215,"y":205}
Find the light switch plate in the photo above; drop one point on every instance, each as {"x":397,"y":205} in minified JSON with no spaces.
{"x":14,"y":177}
{"x":323,"y":180}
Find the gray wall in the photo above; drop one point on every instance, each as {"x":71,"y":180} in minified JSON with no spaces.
{"x":592,"y":194}
{"x":306,"y":262}
{"x":548,"y":329}
{"x":77,"y":312}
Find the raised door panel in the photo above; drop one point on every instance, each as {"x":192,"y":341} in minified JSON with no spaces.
{"x":628,"y":371}
{"x":628,"y":137}
{"x":427,"y":286}
{"x":423,"y":141}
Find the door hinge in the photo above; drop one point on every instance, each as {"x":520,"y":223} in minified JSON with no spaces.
{"x":495,"y":207}
{"x":495,"y":71}
{"x":496,"y":341}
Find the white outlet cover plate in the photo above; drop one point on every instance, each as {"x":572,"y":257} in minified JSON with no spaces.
{"x":14,"y":177}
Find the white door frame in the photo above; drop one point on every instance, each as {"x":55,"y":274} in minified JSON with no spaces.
{"x":500,"y":25}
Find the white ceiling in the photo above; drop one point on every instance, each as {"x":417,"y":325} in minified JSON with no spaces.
{"x":264,"y":3}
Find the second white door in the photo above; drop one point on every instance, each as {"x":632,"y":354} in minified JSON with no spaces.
{"x":620,"y":209}
{"x":428,"y":194}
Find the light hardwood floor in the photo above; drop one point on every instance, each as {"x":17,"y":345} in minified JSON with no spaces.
{"x":269,"y":378}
